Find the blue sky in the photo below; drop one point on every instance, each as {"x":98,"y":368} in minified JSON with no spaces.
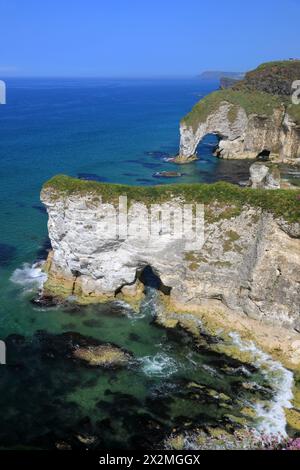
{"x":131,"y":38}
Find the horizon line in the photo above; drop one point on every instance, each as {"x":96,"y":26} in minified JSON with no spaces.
{"x":105,"y":77}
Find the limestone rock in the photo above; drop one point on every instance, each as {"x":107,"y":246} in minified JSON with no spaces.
{"x":261,"y":176}
{"x":258,"y":174}
{"x":246,"y":136}
{"x":249,"y":263}
{"x":104,"y":355}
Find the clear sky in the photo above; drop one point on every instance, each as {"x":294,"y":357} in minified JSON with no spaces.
{"x":135,"y":38}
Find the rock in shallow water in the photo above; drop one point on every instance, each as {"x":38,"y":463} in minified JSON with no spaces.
{"x":105,"y":355}
{"x":167,"y":174}
{"x":83,"y":349}
{"x":45,"y":301}
{"x":261,"y":176}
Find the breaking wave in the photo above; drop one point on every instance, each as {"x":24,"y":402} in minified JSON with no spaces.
{"x":160,"y":365}
{"x":149,"y":306}
{"x":271,"y":416}
{"x":31,"y":277}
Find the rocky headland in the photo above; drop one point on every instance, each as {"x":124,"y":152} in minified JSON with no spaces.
{"x":252,"y":116}
{"x":246,"y":275}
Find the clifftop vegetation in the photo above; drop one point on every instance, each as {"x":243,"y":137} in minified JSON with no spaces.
{"x":264,"y":89}
{"x":281,"y":203}
{"x":251,"y":101}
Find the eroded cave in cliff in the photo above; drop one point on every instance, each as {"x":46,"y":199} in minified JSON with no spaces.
{"x":264,"y":155}
{"x":150,"y":278}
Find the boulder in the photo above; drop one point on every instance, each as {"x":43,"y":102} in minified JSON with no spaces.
{"x":264,"y":177}
{"x":105,"y":355}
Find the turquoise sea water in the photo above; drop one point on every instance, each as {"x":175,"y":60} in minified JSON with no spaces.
{"x":116,"y":131}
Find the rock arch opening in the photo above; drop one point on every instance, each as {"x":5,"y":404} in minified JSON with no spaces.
{"x":208,"y":146}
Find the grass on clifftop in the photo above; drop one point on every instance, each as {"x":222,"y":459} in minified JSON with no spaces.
{"x":260,"y":92}
{"x":288,"y":64}
{"x":282,"y":203}
{"x":251,"y":102}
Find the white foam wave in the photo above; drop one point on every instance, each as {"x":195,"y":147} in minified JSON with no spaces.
{"x":159,"y":365}
{"x":271,"y":416}
{"x":149,"y":306}
{"x":126,"y":309}
{"x":29,"y":276}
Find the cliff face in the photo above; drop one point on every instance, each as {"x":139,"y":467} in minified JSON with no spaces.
{"x":250,"y":261}
{"x":255,"y":115}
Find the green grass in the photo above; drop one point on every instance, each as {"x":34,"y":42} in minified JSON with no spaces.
{"x":284,"y":203}
{"x":279,"y":63}
{"x":251,"y":102}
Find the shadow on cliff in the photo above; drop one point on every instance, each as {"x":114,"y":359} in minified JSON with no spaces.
{"x":148,"y":278}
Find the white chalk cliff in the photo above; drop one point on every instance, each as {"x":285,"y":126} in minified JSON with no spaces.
{"x":245,"y":136}
{"x":250,"y":261}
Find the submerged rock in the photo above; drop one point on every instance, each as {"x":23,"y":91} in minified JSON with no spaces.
{"x":167,"y":174}
{"x":157,"y":153}
{"x":91,"y":177}
{"x":83,"y":349}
